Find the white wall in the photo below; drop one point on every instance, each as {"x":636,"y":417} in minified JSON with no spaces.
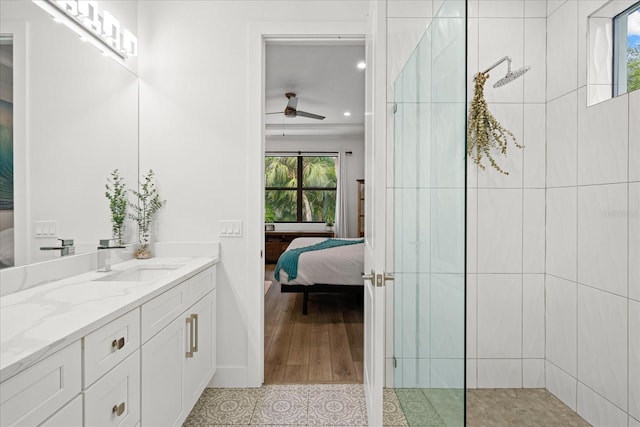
{"x":505,"y":213}
{"x":354,"y":169}
{"x":193,"y":63}
{"x":593,"y":232}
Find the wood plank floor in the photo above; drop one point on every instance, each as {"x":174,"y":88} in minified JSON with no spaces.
{"x":325,"y":346}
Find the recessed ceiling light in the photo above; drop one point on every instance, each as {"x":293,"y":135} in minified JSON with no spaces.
{"x":347,"y":114}
{"x":361,"y":65}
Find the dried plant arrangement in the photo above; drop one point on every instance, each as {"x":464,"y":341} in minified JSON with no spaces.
{"x":484,"y":132}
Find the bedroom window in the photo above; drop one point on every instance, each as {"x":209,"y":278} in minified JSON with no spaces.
{"x":626,"y":50}
{"x":300,"y":188}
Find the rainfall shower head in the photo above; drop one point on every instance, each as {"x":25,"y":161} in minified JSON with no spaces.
{"x":511,"y":76}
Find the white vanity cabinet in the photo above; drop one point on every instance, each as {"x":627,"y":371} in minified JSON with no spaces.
{"x":145,"y":368}
{"x":178,"y":360}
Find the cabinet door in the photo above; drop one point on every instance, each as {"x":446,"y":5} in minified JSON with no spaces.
{"x":32,"y":396}
{"x":201,"y":366}
{"x":69,"y":416}
{"x":114,"y":400}
{"x":162,"y":376}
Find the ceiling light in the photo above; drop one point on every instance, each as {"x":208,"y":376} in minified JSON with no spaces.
{"x":347,"y":114}
{"x":361,"y":65}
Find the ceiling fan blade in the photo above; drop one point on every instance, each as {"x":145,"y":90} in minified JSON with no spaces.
{"x":309,"y":115}
{"x":293,"y":102}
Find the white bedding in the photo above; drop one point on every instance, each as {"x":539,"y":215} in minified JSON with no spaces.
{"x":342,"y":265}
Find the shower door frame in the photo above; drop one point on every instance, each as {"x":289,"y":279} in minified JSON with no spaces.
{"x":460,"y":97}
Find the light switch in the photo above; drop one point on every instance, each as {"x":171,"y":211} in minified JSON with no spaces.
{"x":45,"y":229}
{"x":231,"y":228}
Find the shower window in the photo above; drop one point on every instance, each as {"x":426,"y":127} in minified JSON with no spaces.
{"x":626,"y":51}
{"x":300,"y":188}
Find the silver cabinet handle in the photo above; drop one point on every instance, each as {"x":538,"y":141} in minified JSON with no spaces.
{"x":118,"y":409}
{"x":190,"y":324}
{"x":195,"y":339}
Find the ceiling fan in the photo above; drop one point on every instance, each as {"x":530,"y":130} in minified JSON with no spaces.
{"x":291,"y":111}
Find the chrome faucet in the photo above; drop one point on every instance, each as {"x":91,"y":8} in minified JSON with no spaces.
{"x":66,"y":247}
{"x":104,"y":255}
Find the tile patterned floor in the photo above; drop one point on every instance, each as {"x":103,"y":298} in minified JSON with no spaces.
{"x":281,"y":405}
{"x":344,"y":405}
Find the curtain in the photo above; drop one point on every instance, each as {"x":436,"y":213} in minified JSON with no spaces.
{"x":342,"y":219}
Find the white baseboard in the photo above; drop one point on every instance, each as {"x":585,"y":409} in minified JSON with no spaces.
{"x":230,"y":376}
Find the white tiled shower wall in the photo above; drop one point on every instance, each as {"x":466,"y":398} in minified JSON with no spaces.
{"x":593,"y":232}
{"x":506,"y":214}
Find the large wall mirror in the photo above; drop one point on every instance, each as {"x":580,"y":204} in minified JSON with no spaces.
{"x":68,"y":117}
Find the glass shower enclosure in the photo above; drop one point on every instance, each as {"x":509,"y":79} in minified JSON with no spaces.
{"x":428,"y":194}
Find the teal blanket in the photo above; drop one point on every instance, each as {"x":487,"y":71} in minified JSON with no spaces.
{"x":288,"y":261}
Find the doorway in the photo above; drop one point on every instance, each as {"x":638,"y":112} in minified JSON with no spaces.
{"x":326,"y":344}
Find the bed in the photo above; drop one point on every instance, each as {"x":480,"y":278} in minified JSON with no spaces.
{"x":336,"y":269}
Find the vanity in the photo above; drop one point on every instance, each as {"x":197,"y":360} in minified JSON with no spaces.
{"x":134,"y":346}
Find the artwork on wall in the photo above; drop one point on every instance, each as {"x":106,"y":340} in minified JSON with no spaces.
{"x":6,"y":154}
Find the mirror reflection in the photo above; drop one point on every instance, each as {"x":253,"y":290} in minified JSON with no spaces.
{"x":68,"y":117}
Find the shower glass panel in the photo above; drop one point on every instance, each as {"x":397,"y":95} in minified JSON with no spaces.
{"x":429,"y":224}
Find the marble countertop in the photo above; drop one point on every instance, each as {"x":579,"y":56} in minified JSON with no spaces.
{"x":39,"y":321}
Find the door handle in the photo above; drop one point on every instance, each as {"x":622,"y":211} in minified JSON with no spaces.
{"x":371,"y":276}
{"x":378,"y":279}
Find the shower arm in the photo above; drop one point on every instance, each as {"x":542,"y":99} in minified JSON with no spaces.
{"x":506,"y":58}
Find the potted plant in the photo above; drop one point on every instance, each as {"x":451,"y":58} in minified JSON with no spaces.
{"x":329,"y":224}
{"x":148,"y":204}
{"x":269,"y":218}
{"x":117,"y":195}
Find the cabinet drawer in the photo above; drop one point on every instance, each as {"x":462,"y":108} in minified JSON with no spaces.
{"x":69,"y":416}
{"x":114,"y":400}
{"x":110,"y":345}
{"x":159,"y":312}
{"x":34,"y":395}
{"x":200,"y":285}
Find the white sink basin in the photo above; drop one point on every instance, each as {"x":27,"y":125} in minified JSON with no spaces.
{"x":141,"y":273}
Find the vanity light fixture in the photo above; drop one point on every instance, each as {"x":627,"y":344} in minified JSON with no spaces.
{"x":361,"y":65}
{"x":103,"y":30}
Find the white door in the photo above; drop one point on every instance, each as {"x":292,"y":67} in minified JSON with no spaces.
{"x":375,"y":218}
